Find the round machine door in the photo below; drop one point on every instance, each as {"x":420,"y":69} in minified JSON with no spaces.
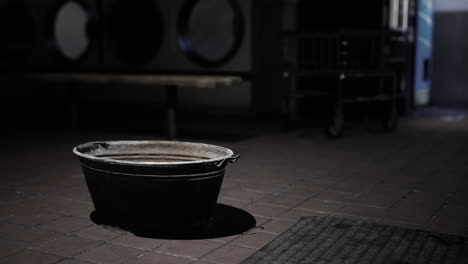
{"x":134,"y":31}
{"x":16,"y":34}
{"x":210,"y":31}
{"x":71,"y":30}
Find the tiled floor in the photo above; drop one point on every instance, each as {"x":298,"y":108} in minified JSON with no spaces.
{"x":416,"y":177}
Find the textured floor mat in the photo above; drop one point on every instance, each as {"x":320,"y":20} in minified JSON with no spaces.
{"x":337,"y":240}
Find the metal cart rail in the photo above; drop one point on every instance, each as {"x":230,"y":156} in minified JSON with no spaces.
{"x":340,"y":55}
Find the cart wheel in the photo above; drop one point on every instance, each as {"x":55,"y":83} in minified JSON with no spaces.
{"x":336,"y":126}
{"x":390,"y":122}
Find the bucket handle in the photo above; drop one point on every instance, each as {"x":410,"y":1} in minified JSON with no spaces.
{"x":232,"y":159}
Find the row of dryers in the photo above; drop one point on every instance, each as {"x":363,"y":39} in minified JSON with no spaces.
{"x":120,"y":35}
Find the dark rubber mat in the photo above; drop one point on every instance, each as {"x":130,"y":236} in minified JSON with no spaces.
{"x":337,"y":240}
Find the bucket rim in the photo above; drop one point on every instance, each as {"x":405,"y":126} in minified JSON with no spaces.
{"x":100,"y":144}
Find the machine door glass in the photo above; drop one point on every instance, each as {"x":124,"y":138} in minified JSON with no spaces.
{"x":210,"y":31}
{"x":71,"y":30}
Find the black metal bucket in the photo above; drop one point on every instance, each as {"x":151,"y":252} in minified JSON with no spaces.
{"x":157,"y":184}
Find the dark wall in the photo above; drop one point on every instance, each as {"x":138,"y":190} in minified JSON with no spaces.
{"x":450,"y":68}
{"x":266,"y":41}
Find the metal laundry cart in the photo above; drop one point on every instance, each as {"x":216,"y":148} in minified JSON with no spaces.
{"x":342,"y":58}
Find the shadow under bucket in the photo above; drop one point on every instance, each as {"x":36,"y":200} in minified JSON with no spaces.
{"x":162,"y":185}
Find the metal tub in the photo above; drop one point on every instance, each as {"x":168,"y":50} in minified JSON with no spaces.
{"x":154,"y":183}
